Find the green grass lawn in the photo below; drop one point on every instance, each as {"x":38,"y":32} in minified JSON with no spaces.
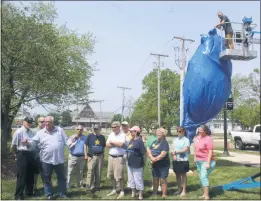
{"x":225,"y":172}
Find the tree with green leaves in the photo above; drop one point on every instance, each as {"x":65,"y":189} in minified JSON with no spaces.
{"x":116,"y":117}
{"x":42,"y":63}
{"x":145,"y":110}
{"x":66,"y":119}
{"x":246,"y":94}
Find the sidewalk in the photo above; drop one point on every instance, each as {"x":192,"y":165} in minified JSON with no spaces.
{"x":244,"y":159}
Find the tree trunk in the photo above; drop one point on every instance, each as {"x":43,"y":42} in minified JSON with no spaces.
{"x":232,"y":120}
{"x":4,"y":132}
{"x":169,"y":131}
{"x":147,"y":129}
{"x":8,"y":115}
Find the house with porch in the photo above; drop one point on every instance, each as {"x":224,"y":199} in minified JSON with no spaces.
{"x":88,"y":118}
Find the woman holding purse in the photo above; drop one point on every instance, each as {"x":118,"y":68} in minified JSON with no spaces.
{"x":180,"y":160}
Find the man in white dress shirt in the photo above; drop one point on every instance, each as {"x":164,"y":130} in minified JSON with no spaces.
{"x":51,"y":141}
{"x":116,"y":143}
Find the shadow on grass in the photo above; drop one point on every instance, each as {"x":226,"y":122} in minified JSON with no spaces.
{"x":221,"y":162}
{"x":216,"y":191}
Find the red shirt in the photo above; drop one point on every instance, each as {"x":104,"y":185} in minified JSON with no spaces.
{"x":202,"y":147}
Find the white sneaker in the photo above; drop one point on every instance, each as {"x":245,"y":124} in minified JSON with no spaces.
{"x":121,"y":195}
{"x":159,"y":189}
{"x":112,"y":193}
{"x":151,"y":188}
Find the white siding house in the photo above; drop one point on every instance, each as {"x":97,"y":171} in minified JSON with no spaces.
{"x":217,"y":125}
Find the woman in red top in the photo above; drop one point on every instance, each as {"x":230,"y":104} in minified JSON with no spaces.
{"x":204,"y":157}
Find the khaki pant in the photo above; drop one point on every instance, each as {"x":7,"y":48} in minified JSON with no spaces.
{"x":115,"y":168}
{"x":229,"y":41}
{"x":95,"y":165}
{"x":79,"y":162}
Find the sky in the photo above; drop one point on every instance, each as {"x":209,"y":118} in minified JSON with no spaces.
{"x":127,"y":32}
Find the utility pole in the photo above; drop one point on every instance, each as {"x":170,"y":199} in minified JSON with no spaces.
{"x":182,"y":68}
{"x":100,"y":101}
{"x":123,"y":99}
{"x":159,"y":55}
{"x":77,"y":102}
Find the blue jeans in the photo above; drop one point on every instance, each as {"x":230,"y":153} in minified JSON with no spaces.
{"x":47,"y":175}
{"x":204,"y":172}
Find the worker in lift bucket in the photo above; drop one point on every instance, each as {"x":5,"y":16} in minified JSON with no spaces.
{"x":227,"y":27}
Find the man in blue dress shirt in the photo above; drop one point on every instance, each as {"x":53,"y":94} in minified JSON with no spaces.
{"x":77,"y":156}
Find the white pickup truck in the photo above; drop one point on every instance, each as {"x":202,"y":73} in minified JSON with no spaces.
{"x":246,"y":138}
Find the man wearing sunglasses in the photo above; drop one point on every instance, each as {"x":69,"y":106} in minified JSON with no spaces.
{"x":77,"y":156}
{"x":95,"y":144}
{"x":40,"y":126}
{"x":116,"y":143}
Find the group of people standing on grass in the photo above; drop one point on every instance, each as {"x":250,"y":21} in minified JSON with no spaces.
{"x":40,"y":151}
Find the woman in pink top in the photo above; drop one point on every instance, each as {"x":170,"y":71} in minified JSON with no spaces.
{"x":204,"y":157}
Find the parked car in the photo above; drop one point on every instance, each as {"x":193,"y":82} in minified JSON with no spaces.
{"x":246,"y":138}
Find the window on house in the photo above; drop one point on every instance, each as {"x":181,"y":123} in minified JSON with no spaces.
{"x":217,"y":125}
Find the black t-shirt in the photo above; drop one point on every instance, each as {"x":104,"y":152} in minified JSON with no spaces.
{"x":95,"y":143}
{"x":156,"y":148}
{"x":135,"y":152}
{"x":227,"y":26}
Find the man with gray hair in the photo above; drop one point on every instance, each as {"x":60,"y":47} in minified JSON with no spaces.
{"x":115,"y":142}
{"x":51,"y":141}
{"x":77,"y":156}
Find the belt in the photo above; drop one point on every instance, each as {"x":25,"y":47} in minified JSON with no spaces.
{"x":96,"y":154}
{"x":25,"y":152}
{"x":77,"y":155}
{"x":116,"y":156}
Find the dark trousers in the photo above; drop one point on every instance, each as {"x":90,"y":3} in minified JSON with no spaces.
{"x":47,"y":174}
{"x":39,"y":169}
{"x":25,"y":173}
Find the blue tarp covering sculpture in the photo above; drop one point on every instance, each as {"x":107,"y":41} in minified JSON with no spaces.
{"x":207,"y":84}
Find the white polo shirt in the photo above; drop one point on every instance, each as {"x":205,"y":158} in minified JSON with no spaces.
{"x":120,"y":137}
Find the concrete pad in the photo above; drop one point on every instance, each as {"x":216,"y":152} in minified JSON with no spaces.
{"x":242,"y":158}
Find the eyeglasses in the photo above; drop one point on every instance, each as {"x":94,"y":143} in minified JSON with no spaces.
{"x":40,"y":121}
{"x":114,"y":127}
{"x":179,"y":131}
{"x":79,"y":129}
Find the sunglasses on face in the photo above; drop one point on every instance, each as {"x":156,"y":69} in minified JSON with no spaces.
{"x":79,"y":129}
{"x":114,"y":127}
{"x":179,"y":131}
